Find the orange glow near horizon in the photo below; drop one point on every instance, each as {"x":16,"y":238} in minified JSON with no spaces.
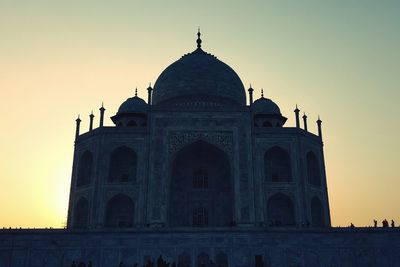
{"x":339,"y":60}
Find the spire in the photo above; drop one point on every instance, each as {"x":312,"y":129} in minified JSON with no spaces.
{"x":136,"y":92}
{"x":262,"y":93}
{"x":250,"y":95}
{"x":149,"y":90}
{"x":78,"y":122}
{"x":102,"y":109}
{"x":305,"y":122}
{"x":296,"y":112}
{"x":91,"y":116}
{"x":319,"y":127}
{"x":198,"y":39}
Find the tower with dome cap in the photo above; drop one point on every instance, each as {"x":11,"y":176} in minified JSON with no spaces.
{"x":198,"y":156}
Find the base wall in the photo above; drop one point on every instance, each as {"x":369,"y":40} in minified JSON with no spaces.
{"x":278,"y":248}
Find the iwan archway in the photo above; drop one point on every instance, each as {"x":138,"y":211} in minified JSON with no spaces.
{"x":201,"y":190}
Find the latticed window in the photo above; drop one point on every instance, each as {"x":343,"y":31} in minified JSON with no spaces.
{"x":200,"y":216}
{"x":200,"y":179}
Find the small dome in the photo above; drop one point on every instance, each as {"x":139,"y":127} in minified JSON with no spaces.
{"x":133,"y":105}
{"x":265,"y":106}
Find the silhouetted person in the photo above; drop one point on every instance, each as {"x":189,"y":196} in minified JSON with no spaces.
{"x":73,"y":264}
{"x":173,"y":264}
{"x":392,"y":224}
{"x":82,"y":264}
{"x":160,"y":261}
{"x":135,"y":265}
{"x":375,"y":223}
{"x":121,"y":264}
{"x":90,"y":264}
{"x":149,"y":263}
{"x":351,"y":225}
{"x":385,"y":223}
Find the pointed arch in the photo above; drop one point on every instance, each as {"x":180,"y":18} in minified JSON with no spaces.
{"x":280,"y":210}
{"x":85,"y":166}
{"x":81,"y":214}
{"x":201,"y":188}
{"x":131,"y":123}
{"x":184,"y":260}
{"x":203,"y":260}
{"x":317,"y":213}
{"x":120,"y":212}
{"x":313,"y":170}
{"x":277,"y":166}
{"x":123,"y":165}
{"x":221,"y":259}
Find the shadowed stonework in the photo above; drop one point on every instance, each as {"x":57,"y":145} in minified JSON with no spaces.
{"x":195,"y":177}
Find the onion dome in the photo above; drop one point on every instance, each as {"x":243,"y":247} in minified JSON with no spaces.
{"x":133,"y":105}
{"x":265,"y":106}
{"x":267,"y":113}
{"x":199,"y":77}
{"x":133,"y":112}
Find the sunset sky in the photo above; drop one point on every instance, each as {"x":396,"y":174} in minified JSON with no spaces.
{"x":337,"y":59}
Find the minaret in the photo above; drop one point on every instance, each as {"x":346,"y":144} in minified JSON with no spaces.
{"x":198,"y":41}
{"x":149,"y":91}
{"x":319,"y":122}
{"x":250,"y":95}
{"x":78,"y":123}
{"x":297,"y":113}
{"x":305,"y":122}
{"x":102,"y":109}
{"x":91,"y":116}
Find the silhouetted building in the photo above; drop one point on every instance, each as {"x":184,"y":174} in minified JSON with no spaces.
{"x":198,"y":156}
{"x":197,"y":177}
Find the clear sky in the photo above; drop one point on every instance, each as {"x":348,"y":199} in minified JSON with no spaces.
{"x":339,"y":59}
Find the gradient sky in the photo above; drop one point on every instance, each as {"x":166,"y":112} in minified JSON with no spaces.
{"x":338,"y":59}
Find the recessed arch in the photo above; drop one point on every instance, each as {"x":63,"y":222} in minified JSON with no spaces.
{"x":184,"y":260}
{"x":267,"y":124}
{"x":317,"y":213}
{"x":201,"y":190}
{"x":131,"y":123}
{"x":123,"y":165}
{"x":85,"y":166}
{"x":277,"y":165}
{"x":313,"y":170}
{"x":120,"y":212}
{"x":280,"y":210}
{"x":81,"y":214}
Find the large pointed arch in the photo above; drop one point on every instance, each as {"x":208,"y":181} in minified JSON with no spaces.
{"x":277,"y":166}
{"x":201,"y":189}
{"x":120,"y":212}
{"x":81,"y":214}
{"x":317,"y":213}
{"x":123,"y":165}
{"x":280,"y":210}
{"x":85,"y":166}
{"x":313,"y":170}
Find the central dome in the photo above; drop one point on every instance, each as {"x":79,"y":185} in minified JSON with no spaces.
{"x":199,"y":77}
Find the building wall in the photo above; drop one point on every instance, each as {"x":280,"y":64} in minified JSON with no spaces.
{"x":278,"y":248}
{"x":170,"y":131}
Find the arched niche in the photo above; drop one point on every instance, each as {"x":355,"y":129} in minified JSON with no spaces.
{"x":280,"y":211}
{"x":201,"y":190}
{"x":120,"y":212}
{"x":123,"y":165}
{"x":313,"y":171}
{"x":277,"y":165}
{"x":85,"y":166}
{"x":184,"y":260}
{"x":81,"y":214}
{"x":317,"y":213}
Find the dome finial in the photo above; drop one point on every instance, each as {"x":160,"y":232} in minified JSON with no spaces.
{"x":198,"y":38}
{"x":136,"y":92}
{"x":262,"y":93}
